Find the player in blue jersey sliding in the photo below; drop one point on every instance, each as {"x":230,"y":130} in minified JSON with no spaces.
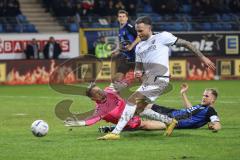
{"x":191,"y":116}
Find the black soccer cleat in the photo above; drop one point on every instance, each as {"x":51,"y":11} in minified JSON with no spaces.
{"x":106,"y":129}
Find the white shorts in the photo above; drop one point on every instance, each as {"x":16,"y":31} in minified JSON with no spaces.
{"x":153,"y":91}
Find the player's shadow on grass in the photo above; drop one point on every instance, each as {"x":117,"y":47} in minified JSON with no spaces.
{"x":188,"y":133}
{"x":145,"y":134}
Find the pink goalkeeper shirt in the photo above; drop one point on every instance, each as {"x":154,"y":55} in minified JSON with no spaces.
{"x":110,"y":110}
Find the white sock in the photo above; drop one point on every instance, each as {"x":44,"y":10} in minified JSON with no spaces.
{"x":127,"y":114}
{"x":151,"y":114}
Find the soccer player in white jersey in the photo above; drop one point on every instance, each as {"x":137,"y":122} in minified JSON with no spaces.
{"x":152,"y":64}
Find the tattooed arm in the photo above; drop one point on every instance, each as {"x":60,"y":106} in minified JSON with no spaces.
{"x":194,"y":50}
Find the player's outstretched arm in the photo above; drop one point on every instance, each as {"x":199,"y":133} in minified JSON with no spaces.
{"x":214,"y":126}
{"x":183,"y":91}
{"x":80,"y":123}
{"x":194,"y":50}
{"x":74,"y":123}
{"x":134,"y":43}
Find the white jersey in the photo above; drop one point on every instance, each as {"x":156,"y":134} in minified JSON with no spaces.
{"x":155,"y":50}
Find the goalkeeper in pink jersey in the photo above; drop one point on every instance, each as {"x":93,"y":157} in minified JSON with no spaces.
{"x":109,"y":107}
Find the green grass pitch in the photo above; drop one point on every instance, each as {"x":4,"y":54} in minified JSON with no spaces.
{"x":21,"y":105}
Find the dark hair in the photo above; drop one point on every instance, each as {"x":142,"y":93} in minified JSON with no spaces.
{"x":89,"y":89}
{"x":144,"y":19}
{"x":123,"y":12}
{"x":213,"y":91}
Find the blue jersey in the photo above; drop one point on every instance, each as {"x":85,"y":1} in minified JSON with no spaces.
{"x":128,"y":34}
{"x":197,"y":116}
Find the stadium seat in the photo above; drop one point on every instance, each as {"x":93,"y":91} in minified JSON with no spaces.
{"x":147,"y":9}
{"x":198,"y":22}
{"x":17,"y":28}
{"x":197,"y":26}
{"x":206,"y":26}
{"x":1,"y":28}
{"x":21,"y":18}
{"x":186,"y":8}
{"x":185,"y":1}
{"x":166,"y":27}
{"x":179,"y":17}
{"x":73,"y":27}
{"x":217,"y":26}
{"x":31,"y":28}
{"x":188,"y":17}
{"x":157,"y":18}
{"x":227,"y":17}
{"x":179,"y":26}
{"x":226,"y":26}
{"x":217,"y":17}
{"x":168,"y":17}
{"x":189,"y":27}
{"x":235,"y":27}
{"x":25,"y":28}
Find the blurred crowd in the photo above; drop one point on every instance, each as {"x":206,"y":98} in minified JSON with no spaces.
{"x":110,"y":7}
{"x":195,"y":7}
{"x":9,"y":8}
{"x":63,"y":8}
{"x":89,"y":7}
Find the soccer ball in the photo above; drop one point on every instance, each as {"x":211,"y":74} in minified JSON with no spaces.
{"x":39,"y":128}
